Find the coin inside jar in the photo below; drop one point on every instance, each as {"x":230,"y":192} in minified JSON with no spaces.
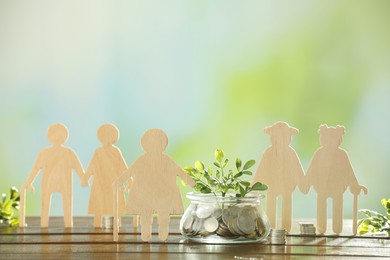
{"x":211,"y":224}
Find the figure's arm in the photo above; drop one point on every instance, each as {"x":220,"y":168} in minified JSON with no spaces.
{"x":309,"y":177}
{"x":126,"y":175}
{"x":121,"y":168}
{"x":28,"y":184}
{"x":182,"y":174}
{"x":299,"y":175}
{"x":261,"y":171}
{"x":78,"y":168}
{"x":351,"y":179}
{"x":91,"y":168}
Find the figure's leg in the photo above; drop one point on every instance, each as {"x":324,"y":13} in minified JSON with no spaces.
{"x":67,"y":206}
{"x":97,"y":221}
{"x":271,"y":209}
{"x":146,"y":227}
{"x":337,"y":214}
{"x":287,"y":212}
{"x":163,"y":226}
{"x":321,"y":214}
{"x":45,"y":207}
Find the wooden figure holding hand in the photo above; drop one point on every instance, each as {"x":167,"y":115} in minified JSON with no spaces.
{"x":330,"y":173}
{"x":281,"y":169}
{"x":154,"y":189}
{"x":56,"y":163}
{"x":105,"y":166}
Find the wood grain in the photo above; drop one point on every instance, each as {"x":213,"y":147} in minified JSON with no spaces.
{"x":86,"y":241}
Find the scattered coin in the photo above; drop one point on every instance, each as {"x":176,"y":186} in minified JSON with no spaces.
{"x":277,"y":236}
{"x":307,"y":228}
{"x":107,"y":222}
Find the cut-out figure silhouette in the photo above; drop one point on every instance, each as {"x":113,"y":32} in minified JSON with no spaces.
{"x":56,"y":163}
{"x":330,"y":173}
{"x":154,"y":189}
{"x":281,"y":169}
{"x":106,"y":165}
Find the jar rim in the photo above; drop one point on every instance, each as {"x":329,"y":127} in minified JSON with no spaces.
{"x":229,"y":197}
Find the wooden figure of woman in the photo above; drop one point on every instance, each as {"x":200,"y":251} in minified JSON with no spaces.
{"x":106,"y":165}
{"x":281,"y":169}
{"x":330,"y":173}
{"x":56,"y":163}
{"x":154,"y":189}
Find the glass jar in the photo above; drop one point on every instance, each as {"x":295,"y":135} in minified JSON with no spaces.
{"x":229,"y":219}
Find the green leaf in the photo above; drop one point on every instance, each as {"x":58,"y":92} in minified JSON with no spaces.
{"x":242,"y":191}
{"x":238,"y":164}
{"x":189,"y":169}
{"x":239,"y":174}
{"x":219,"y":155}
{"x":14,"y":222}
{"x":218,"y":174}
{"x":15,"y":205}
{"x":247,"y":172}
{"x":259,"y":186}
{"x":249,"y":164}
{"x":199,"y":165}
{"x":217,"y":164}
{"x":7,"y":204}
{"x":14,"y":193}
{"x":225,"y":163}
{"x":245,"y":183}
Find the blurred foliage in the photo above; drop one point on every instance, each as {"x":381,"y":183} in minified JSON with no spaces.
{"x":375,"y":222}
{"x":9,"y":208}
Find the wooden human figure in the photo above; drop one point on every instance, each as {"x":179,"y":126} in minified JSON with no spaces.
{"x":330,"y":173}
{"x":57,"y":163}
{"x":106,"y":165}
{"x":154,"y":189}
{"x":281,"y":169}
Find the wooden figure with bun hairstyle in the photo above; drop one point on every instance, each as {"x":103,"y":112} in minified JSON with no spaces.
{"x":106,"y":165}
{"x":330,"y":173}
{"x":154,"y":189}
{"x":56,"y":163}
{"x":281,"y":169}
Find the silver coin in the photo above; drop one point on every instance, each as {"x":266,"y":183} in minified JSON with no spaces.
{"x":217,"y":213}
{"x":187,"y":224}
{"x":211,"y":224}
{"x":196,"y":226}
{"x":246,"y":223}
{"x":108,"y":222}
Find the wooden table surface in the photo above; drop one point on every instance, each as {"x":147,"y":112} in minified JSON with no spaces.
{"x":83,"y":241}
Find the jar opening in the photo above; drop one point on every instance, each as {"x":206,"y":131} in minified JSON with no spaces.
{"x":253,"y":196}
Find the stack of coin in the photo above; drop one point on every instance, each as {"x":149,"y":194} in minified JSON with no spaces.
{"x":233,"y":221}
{"x":108,"y":222}
{"x":307,"y":228}
{"x":277,"y":236}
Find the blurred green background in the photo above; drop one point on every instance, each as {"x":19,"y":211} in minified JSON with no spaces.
{"x":212,"y":74}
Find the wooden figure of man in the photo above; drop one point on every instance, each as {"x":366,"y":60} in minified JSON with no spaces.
{"x":281,"y":169}
{"x":56,"y":163}
{"x":105,"y":166}
{"x":330,"y":173}
{"x":154,"y":189}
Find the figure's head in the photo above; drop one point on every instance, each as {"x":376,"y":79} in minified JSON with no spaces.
{"x":57,"y":134}
{"x":154,"y":141}
{"x":331,"y":136}
{"x":108,"y":134}
{"x":280,"y":133}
